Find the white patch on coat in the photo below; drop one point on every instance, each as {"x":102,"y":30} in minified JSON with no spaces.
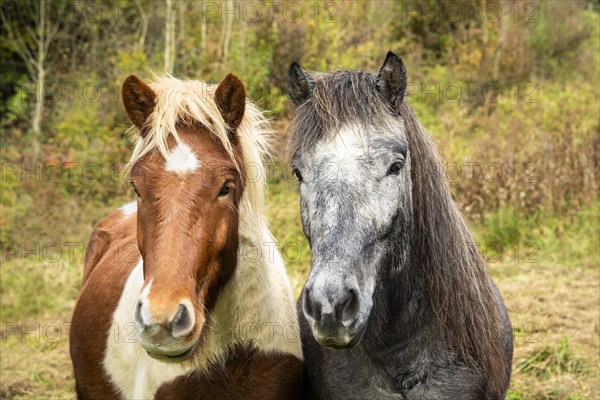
{"x":147,"y":319}
{"x":338,"y":158}
{"x":130,"y":369}
{"x":129,"y":208}
{"x":345,"y":144}
{"x":181,"y":160}
{"x":257,"y":305}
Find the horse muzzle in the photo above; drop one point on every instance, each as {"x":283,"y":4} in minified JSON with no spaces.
{"x":173,"y":340}
{"x":333,"y":312}
{"x":340,"y":339}
{"x":161,"y":345}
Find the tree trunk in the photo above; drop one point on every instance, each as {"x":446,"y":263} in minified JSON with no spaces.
{"x":169,"y":38}
{"x":226,"y":32}
{"x":243,"y":46}
{"x":38,"y":111}
{"x":36,"y":121}
{"x":32,"y":44}
{"x":144,"y":24}
{"x":182,"y":8}
{"x":203,"y":23}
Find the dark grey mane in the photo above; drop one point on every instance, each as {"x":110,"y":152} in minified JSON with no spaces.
{"x":338,"y":98}
{"x":460,"y":291}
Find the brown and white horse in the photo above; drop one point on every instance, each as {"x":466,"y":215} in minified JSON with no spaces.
{"x":184,"y":295}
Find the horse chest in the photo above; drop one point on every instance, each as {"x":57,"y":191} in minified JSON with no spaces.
{"x":357,"y":376}
{"x":352,"y":375}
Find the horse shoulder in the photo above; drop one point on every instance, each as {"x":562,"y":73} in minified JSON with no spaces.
{"x":110,"y":258}
{"x":117,"y":226}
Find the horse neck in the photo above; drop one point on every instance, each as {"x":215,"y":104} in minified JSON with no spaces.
{"x":249,"y":275}
{"x":256,"y":305}
{"x":401,"y":306}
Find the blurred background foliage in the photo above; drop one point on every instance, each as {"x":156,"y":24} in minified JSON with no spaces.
{"x":509,"y":89}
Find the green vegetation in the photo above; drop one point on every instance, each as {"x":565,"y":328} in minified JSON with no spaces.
{"x":552,"y":361}
{"x":509,"y":90}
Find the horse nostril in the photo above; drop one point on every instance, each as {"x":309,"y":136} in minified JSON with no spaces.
{"x":182,"y":321}
{"x":347,"y":310}
{"x":311,"y":308}
{"x":138,"y":315}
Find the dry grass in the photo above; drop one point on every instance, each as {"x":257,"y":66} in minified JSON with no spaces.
{"x":554,"y":311}
{"x":34,"y":350}
{"x":554,"y":306}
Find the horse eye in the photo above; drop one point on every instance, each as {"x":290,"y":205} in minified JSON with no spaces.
{"x":136,"y":191}
{"x":395,"y":168}
{"x":225,"y":190}
{"x":296,"y":172}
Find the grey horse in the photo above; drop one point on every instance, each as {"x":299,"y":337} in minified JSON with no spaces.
{"x":398,"y":303}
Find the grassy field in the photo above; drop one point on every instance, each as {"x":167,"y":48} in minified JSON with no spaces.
{"x":551,"y":288}
{"x":508,"y":89}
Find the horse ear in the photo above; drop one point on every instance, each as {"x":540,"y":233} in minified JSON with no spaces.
{"x":391,"y":80}
{"x":300,"y":84}
{"x":231,"y":100}
{"x":139,"y":100}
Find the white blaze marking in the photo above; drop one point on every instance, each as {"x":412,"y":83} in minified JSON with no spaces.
{"x":347,"y":143}
{"x":344,"y":149}
{"x":146,"y":317}
{"x":181,"y":160}
{"x":129,"y":208}
{"x":339,"y":158}
{"x":131,"y":370}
